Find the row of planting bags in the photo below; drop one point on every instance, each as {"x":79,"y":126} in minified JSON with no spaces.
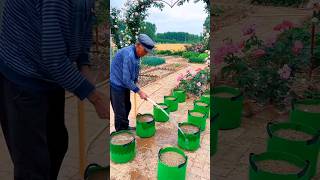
{"x":302,"y":154}
{"x":191,"y":142}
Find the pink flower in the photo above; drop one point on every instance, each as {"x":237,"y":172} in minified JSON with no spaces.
{"x":180,"y":77}
{"x":259,"y":53}
{"x":198,"y":69}
{"x":224,"y":51}
{"x":285,"y":72}
{"x":249,"y":30}
{"x":285,"y":25}
{"x":271,"y":41}
{"x":199,"y":84}
{"x":297,"y":47}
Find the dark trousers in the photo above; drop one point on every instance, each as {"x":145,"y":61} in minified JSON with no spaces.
{"x":121,"y":105}
{"x":34,"y":130}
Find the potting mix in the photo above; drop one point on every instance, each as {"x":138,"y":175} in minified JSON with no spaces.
{"x":122,"y":139}
{"x":189,"y":129}
{"x":196,"y":114}
{"x":145,"y":118}
{"x":293,"y":135}
{"x":312,"y":108}
{"x":172,"y":158}
{"x":224,"y":95}
{"x":278,"y":167}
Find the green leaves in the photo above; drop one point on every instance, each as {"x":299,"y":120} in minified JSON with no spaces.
{"x":152,"y":61}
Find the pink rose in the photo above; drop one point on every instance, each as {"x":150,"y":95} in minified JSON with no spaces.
{"x":271,"y":41}
{"x":259,"y":53}
{"x":285,"y":72}
{"x":285,"y":25}
{"x":249,"y":30}
{"x":297,"y":47}
{"x":199,"y":84}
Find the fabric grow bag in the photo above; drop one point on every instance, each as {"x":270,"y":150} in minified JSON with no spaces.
{"x":214,"y":131}
{"x":122,"y":153}
{"x":159,"y":115}
{"x":190,"y":142}
{"x":166,"y":172}
{"x":306,"y":150}
{"x":180,"y":95}
{"x":311,"y":119}
{"x":205,"y":98}
{"x":228,"y":108}
{"x":204,"y":109}
{"x":257,"y":174}
{"x":172,"y":102}
{"x":145,"y":129}
{"x":200,"y":121}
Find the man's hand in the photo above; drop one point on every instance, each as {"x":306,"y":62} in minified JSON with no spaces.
{"x":143,"y":95}
{"x":99,"y":101}
{"x":85,"y":71}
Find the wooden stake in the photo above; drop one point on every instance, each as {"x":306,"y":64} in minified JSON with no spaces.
{"x":82,"y":140}
{"x":135,"y":104}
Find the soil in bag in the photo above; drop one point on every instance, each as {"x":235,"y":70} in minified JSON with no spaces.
{"x":224,"y":95}
{"x":146,"y":118}
{"x":172,"y":158}
{"x":278,"y":167}
{"x":121,"y":139}
{"x":312,"y":108}
{"x":294,"y":135}
{"x":163,"y":106}
{"x":171,"y":98}
{"x":201,"y":104}
{"x":196,"y":114}
{"x":189,"y":129}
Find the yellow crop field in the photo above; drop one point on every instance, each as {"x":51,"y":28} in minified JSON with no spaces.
{"x":171,"y":47}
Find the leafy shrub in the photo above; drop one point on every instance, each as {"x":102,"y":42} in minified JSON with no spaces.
{"x":152,"y":61}
{"x":203,"y":55}
{"x":196,"y":60}
{"x":164,"y":52}
{"x":194,"y":82}
{"x":177,"y":53}
{"x":189,"y":54}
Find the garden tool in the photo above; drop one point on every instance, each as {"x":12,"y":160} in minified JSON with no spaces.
{"x":175,"y":122}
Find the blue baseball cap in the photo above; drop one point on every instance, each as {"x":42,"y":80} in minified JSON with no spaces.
{"x":146,"y":42}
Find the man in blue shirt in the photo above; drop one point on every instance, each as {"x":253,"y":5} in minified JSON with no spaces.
{"x":44,"y":50}
{"x":124,"y":76}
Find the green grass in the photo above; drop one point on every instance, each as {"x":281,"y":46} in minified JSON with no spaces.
{"x":152,"y":61}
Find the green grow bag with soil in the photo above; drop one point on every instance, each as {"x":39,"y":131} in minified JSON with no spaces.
{"x":145,"y":125}
{"x":122,"y":146}
{"x":190,"y":140}
{"x":198,"y":118}
{"x":214,"y":131}
{"x":306,"y":112}
{"x":295,"y":139}
{"x":201,"y":106}
{"x":159,"y":115}
{"x":180,"y":95}
{"x":205,"y":98}
{"x":228,"y":102}
{"x":96,"y":172}
{"x":277,"y":166}
{"x":172,"y":164}
{"x":172,"y":102}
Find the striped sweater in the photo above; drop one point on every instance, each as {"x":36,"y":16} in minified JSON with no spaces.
{"x":124,"y":69}
{"x":42,"y":40}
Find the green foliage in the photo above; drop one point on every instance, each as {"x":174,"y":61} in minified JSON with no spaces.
{"x":194,"y":82}
{"x":149,"y":29}
{"x":164,"y":52}
{"x":177,"y":37}
{"x":152,"y":61}
{"x":203,"y":55}
{"x":295,"y":3}
{"x":196,"y":60}
{"x":195,"y":57}
{"x":189,"y":54}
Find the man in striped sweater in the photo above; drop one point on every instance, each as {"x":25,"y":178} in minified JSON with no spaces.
{"x":40,"y":43}
{"x":124,"y":76}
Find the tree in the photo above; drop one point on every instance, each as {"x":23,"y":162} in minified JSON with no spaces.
{"x":149,"y":29}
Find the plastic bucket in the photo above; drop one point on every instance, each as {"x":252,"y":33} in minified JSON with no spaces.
{"x":229,"y":108}
{"x":145,"y":129}
{"x":180,"y":95}
{"x":190,"y":142}
{"x":122,"y":153}
{"x":257,"y":174}
{"x":311,"y":119}
{"x":172,"y":102}
{"x":306,"y":150}
{"x":166,"y":172}
{"x":200,"y":121}
{"x":159,"y":115}
{"x":214,"y":131}
{"x":96,"y":172}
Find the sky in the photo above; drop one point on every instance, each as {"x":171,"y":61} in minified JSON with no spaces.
{"x":187,"y":18}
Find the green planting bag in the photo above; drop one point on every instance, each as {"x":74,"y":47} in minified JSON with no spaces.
{"x":122,"y":146}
